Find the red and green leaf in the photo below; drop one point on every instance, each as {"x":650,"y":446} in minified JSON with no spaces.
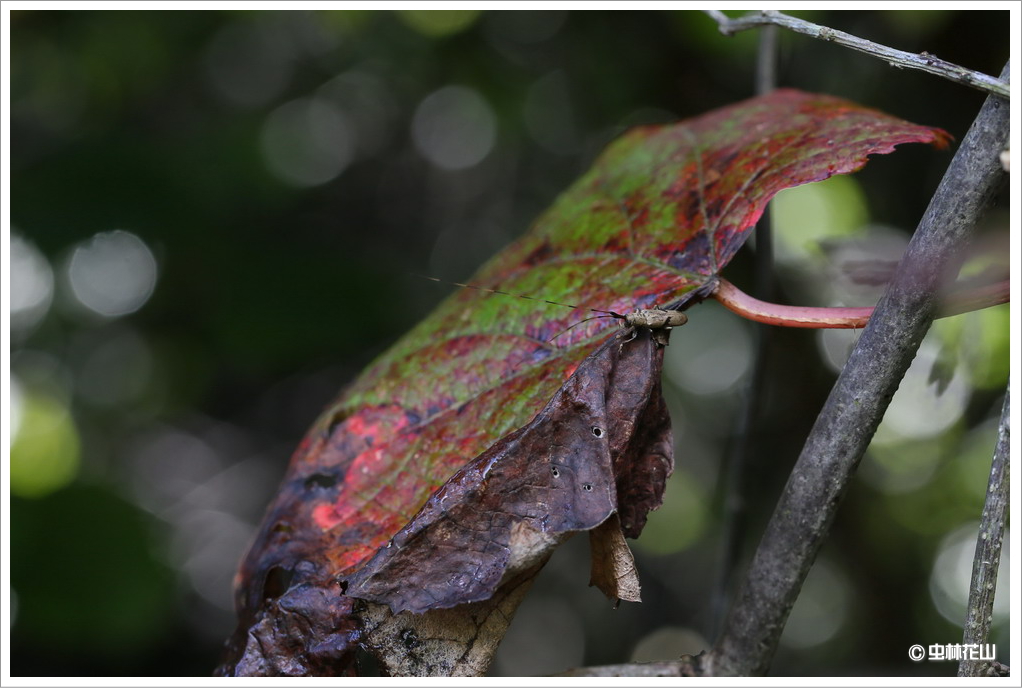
{"x":659,"y":214}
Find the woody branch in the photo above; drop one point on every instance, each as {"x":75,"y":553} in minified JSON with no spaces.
{"x":896,"y":58}
{"x":857,"y":402}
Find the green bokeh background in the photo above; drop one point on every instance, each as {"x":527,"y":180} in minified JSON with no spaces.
{"x":146,"y":446}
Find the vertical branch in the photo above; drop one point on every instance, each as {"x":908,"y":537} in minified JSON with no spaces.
{"x":988,"y":549}
{"x":766,"y":60}
{"x":860,"y":397}
{"x":766,"y":81}
{"x":733,"y":483}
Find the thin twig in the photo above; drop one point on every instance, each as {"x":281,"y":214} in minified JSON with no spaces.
{"x":896,"y":58}
{"x":846,"y":424}
{"x":848,"y":317}
{"x":988,"y":549}
{"x":766,"y":61}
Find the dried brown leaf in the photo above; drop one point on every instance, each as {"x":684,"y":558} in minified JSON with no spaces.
{"x":601,"y":446}
{"x":613,"y":566}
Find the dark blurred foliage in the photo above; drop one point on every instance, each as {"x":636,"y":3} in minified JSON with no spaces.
{"x":284,"y":172}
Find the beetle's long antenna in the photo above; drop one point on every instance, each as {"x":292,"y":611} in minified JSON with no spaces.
{"x":592,"y":317}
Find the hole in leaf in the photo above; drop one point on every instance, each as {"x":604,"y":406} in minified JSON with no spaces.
{"x":410,"y":638}
{"x":597,"y":431}
{"x":320,"y":480}
{"x":557,"y":473}
{"x":587,"y":487}
{"x":276,"y":582}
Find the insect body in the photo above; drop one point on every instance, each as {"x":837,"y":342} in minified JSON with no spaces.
{"x":655,"y":318}
{"x":659,"y":320}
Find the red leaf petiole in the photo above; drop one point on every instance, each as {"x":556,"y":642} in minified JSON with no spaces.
{"x":959,"y":301}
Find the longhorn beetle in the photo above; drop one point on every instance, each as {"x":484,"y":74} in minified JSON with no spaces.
{"x":659,"y":320}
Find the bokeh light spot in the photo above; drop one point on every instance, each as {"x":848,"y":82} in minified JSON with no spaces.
{"x":113,"y":273}
{"x":971,"y":462}
{"x":984,"y":340}
{"x":667,"y":642}
{"x":17,"y":399}
{"x":168,"y":465}
{"x":806,"y":215}
{"x":370,"y":107}
{"x":951,"y":575}
{"x":116,"y":371}
{"x":548,"y":114}
{"x":454,"y":128}
{"x":307,"y":142}
{"x":45,"y":450}
{"x":713,"y":355}
{"x":680,"y":521}
{"x":438,"y":23}
{"x":917,"y":409}
{"x":31,"y":284}
{"x":821,"y":608}
{"x":896,"y":466}
{"x":836,"y":346}
{"x":207,"y":545}
{"x":248,"y":63}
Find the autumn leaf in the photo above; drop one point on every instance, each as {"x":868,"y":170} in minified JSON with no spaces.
{"x":659,"y":214}
{"x":551,"y":477}
{"x":602,"y":442}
